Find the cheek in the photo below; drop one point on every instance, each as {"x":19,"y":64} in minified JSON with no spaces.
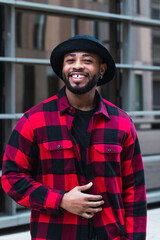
{"x":65,"y":70}
{"x":96,"y":71}
{"x":65,"y":66}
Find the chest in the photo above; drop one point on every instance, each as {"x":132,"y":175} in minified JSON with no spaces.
{"x":59,"y":150}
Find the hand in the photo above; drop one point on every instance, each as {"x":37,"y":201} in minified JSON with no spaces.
{"x":77,"y":202}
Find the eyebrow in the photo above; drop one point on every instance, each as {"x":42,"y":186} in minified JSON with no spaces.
{"x":84,"y":55}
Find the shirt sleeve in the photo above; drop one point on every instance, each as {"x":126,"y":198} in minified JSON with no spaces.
{"x":134,"y":192}
{"x":19,"y":171}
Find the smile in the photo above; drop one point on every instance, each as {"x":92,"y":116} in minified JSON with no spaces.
{"x":78,"y":76}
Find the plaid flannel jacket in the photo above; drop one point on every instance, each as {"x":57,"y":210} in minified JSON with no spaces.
{"x":42,"y":162}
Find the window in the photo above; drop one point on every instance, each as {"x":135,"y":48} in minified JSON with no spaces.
{"x":155,"y":9}
{"x":156,"y":40}
{"x":2,"y":200}
{"x":38,"y":32}
{"x":137,"y":6}
{"x":18,"y":29}
{"x":2,"y":82}
{"x":29,"y":87}
{"x":155,"y":13}
{"x":138,"y":92}
{"x":156,"y":98}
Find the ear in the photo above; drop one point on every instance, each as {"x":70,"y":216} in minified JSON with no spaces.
{"x":103,"y":68}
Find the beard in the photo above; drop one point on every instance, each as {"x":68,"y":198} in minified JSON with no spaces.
{"x":81,"y":90}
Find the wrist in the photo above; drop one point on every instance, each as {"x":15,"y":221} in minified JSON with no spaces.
{"x":62,"y":202}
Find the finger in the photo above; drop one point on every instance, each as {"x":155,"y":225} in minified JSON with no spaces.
{"x":95,"y":204}
{"x":87,"y":215}
{"x":85,"y":187}
{"x":94,"y":210}
{"x":93,"y":197}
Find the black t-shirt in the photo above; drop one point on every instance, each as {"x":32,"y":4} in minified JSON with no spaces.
{"x":81,"y":135}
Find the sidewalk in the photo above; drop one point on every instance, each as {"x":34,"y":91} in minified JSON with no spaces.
{"x":153,"y":228}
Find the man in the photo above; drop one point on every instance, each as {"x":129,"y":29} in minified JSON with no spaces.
{"x":74,"y":159}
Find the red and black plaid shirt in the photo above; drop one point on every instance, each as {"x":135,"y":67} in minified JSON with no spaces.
{"x":42,"y":162}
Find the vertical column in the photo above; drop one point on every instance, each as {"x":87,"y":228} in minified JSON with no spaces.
{"x":10,"y":52}
{"x":114,"y":33}
{"x":127,"y":52}
{"x":111,"y":89}
{"x":10,"y":205}
{"x":74,"y":27}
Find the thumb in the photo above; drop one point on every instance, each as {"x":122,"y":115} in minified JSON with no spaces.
{"x":85,"y":187}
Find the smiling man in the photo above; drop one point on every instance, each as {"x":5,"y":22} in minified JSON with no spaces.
{"x":81,"y":71}
{"x":74,"y":159}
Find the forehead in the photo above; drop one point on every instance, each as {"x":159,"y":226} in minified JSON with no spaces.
{"x":82,"y":54}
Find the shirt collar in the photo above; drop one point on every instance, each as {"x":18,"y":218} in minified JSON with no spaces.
{"x":101,"y":107}
{"x":64,"y":105}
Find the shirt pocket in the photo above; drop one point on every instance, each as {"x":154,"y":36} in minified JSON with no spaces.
{"x":107,"y":164}
{"x":107,"y":152}
{"x":58,"y":145}
{"x":58,"y":157}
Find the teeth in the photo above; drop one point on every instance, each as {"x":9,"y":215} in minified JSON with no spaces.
{"x":78,"y":76}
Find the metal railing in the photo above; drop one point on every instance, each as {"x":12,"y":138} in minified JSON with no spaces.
{"x":37,"y":61}
{"x":80,"y":13}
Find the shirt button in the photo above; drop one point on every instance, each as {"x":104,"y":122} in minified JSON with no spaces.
{"x":58,"y":146}
{"x":109,"y":150}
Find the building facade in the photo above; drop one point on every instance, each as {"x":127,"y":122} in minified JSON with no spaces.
{"x":29,"y":30}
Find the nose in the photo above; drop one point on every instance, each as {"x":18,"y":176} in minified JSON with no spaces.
{"x":77,"y":64}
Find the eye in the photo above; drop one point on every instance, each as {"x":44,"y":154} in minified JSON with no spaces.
{"x":87,"y":60}
{"x":70,"y":60}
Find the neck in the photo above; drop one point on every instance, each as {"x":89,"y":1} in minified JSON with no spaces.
{"x":84,"y":102}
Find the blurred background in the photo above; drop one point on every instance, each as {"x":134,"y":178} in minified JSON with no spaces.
{"x":130,"y":30}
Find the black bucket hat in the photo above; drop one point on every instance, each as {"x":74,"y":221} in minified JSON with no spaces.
{"x":85,"y":43}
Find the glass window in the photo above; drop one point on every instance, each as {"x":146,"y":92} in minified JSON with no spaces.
{"x":137,"y":6}
{"x":2,"y":26}
{"x":18,"y":33}
{"x":101,"y":5}
{"x":5,"y":131}
{"x":34,"y":83}
{"x":156,"y":95}
{"x":1,"y":200}
{"x":28,"y":87}
{"x":155,"y":13}
{"x":156,"y":40}
{"x":156,"y":1}
{"x":138,"y":92}
{"x":156,"y":46}
{"x":155,"y":9}
{"x":2,"y":108}
{"x":37,"y":34}
{"x":2,"y":136}
{"x":145,"y":52}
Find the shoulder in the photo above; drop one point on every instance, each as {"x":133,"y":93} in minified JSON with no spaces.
{"x":113,"y":110}
{"x":119,"y":118}
{"x":49,"y":104}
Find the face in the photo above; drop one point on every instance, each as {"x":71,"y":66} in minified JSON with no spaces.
{"x":81,"y":71}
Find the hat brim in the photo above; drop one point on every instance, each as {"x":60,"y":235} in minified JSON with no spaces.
{"x":87,"y":45}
